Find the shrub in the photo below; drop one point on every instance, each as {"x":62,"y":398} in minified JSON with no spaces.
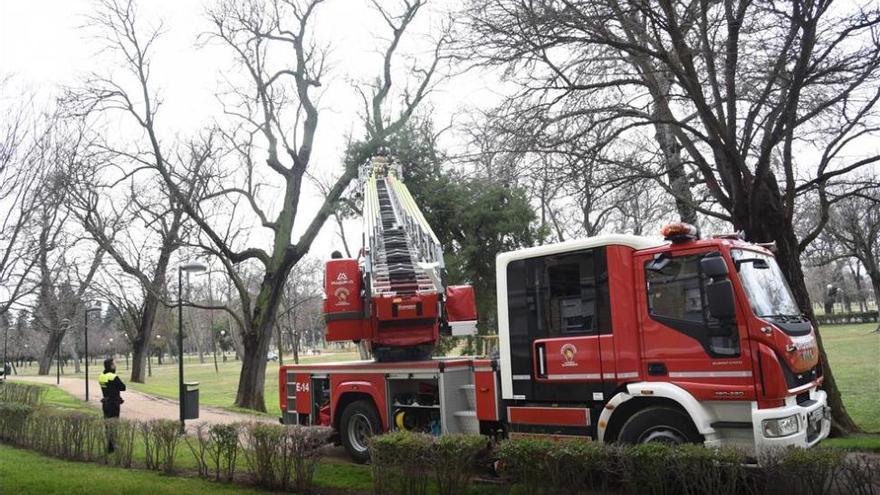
{"x":13,"y":422}
{"x":699,"y":470}
{"x":297,"y":456}
{"x":859,"y":475}
{"x":305,"y":448}
{"x":401,"y":463}
{"x":123,"y":434}
{"x":68,"y":435}
{"x":523,"y":460}
{"x":454,"y":458}
{"x":22,"y":393}
{"x":161,"y":439}
{"x":646,"y":469}
{"x":151,"y":460}
{"x":279,"y":456}
{"x":543,"y":466}
{"x":198,"y":445}
{"x":795,"y":470}
{"x":223,"y":450}
{"x":261,"y":447}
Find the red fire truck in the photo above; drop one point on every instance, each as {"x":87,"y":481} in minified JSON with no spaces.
{"x":613,"y":338}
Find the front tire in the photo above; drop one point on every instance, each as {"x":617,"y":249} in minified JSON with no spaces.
{"x":660,"y":425}
{"x":359,"y":422}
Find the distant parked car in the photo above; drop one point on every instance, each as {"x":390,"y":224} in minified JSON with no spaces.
{"x":272,"y":356}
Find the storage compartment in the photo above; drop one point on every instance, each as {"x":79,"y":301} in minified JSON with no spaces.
{"x":414,"y":404}
{"x":433,"y":402}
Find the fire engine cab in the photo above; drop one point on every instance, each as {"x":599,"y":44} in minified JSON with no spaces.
{"x":614,"y":338}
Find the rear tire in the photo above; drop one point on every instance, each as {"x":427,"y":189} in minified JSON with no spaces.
{"x":359,"y":422}
{"x":659,"y":424}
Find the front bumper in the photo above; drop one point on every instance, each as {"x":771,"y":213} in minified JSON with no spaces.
{"x":814,"y":422}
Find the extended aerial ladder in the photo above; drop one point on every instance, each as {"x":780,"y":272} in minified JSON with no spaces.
{"x":394,"y":296}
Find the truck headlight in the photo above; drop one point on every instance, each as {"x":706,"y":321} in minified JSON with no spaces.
{"x":781,"y":427}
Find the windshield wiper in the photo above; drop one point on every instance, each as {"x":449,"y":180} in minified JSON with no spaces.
{"x":785,"y":318}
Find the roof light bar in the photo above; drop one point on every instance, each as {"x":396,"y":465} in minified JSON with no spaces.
{"x":679,"y":232}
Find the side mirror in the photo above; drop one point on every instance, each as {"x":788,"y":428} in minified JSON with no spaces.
{"x":714,"y":266}
{"x":721,"y":300}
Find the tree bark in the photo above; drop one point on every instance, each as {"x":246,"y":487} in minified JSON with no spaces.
{"x":252,"y":379}
{"x":50,"y":352}
{"x":258,"y":335}
{"x":141,"y":341}
{"x":671,"y":149}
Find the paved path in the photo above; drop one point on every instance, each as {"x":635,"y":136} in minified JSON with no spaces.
{"x":141,"y":406}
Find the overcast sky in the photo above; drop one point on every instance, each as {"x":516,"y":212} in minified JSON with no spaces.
{"x":45,"y":46}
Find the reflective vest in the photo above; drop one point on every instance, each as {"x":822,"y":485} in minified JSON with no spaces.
{"x":104,"y":379}
{"x":111,"y":385}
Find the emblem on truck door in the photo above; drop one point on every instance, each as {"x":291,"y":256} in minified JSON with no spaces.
{"x":568,"y":351}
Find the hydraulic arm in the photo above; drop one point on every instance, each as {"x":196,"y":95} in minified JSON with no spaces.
{"x":394,"y":295}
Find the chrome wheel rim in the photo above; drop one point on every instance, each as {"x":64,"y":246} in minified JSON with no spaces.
{"x":359,"y":432}
{"x":663,"y":434}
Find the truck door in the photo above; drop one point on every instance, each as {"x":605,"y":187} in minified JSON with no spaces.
{"x":559,"y":323}
{"x":682,"y":342}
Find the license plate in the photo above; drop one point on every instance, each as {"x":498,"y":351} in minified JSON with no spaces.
{"x":817,"y":416}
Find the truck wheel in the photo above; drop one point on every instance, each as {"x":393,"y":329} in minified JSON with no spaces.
{"x":359,"y":422}
{"x":659,"y":424}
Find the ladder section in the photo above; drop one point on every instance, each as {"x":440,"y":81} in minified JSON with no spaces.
{"x":404,"y":256}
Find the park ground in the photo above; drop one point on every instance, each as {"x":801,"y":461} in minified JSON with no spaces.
{"x":853,"y":350}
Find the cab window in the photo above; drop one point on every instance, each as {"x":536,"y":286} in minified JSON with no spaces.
{"x":677,"y":298}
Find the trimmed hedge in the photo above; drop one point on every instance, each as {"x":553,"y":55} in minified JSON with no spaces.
{"x":284,"y":457}
{"x":404,"y":462}
{"x":544,"y":466}
{"x":22,"y":393}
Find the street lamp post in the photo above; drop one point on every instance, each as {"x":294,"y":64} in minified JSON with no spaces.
{"x":86,"y":335}
{"x":189,"y":267}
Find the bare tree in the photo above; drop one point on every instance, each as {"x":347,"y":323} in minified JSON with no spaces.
{"x":63,"y":277}
{"x":751,"y":86}
{"x":130,"y":212}
{"x":302,"y":295}
{"x":277,"y":107}
{"x":20,"y":142}
{"x":854,"y":225}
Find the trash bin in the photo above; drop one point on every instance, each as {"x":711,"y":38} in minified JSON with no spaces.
{"x":191,"y":400}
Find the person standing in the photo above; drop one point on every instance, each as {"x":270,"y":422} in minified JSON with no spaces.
{"x":111,"y":386}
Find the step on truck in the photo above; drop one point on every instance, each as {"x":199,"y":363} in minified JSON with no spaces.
{"x":614,"y":338}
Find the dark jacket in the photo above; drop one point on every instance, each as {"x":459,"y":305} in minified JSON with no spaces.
{"x":111,"y":385}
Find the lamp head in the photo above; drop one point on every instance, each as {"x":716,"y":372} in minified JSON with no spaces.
{"x":193,"y":267}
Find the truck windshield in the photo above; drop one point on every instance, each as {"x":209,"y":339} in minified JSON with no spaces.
{"x":765,"y":285}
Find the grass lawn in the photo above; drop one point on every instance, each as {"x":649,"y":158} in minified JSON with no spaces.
{"x":218,"y":389}
{"x":854,"y":354}
{"x":215,"y":389}
{"x":24,"y":472}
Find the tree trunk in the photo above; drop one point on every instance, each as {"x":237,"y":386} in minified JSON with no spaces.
{"x":141,"y":342}
{"x":770,"y":224}
{"x":671,"y":149}
{"x":76,"y":366}
{"x":252,"y":380}
{"x":258,"y":336}
{"x":50,"y":352}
